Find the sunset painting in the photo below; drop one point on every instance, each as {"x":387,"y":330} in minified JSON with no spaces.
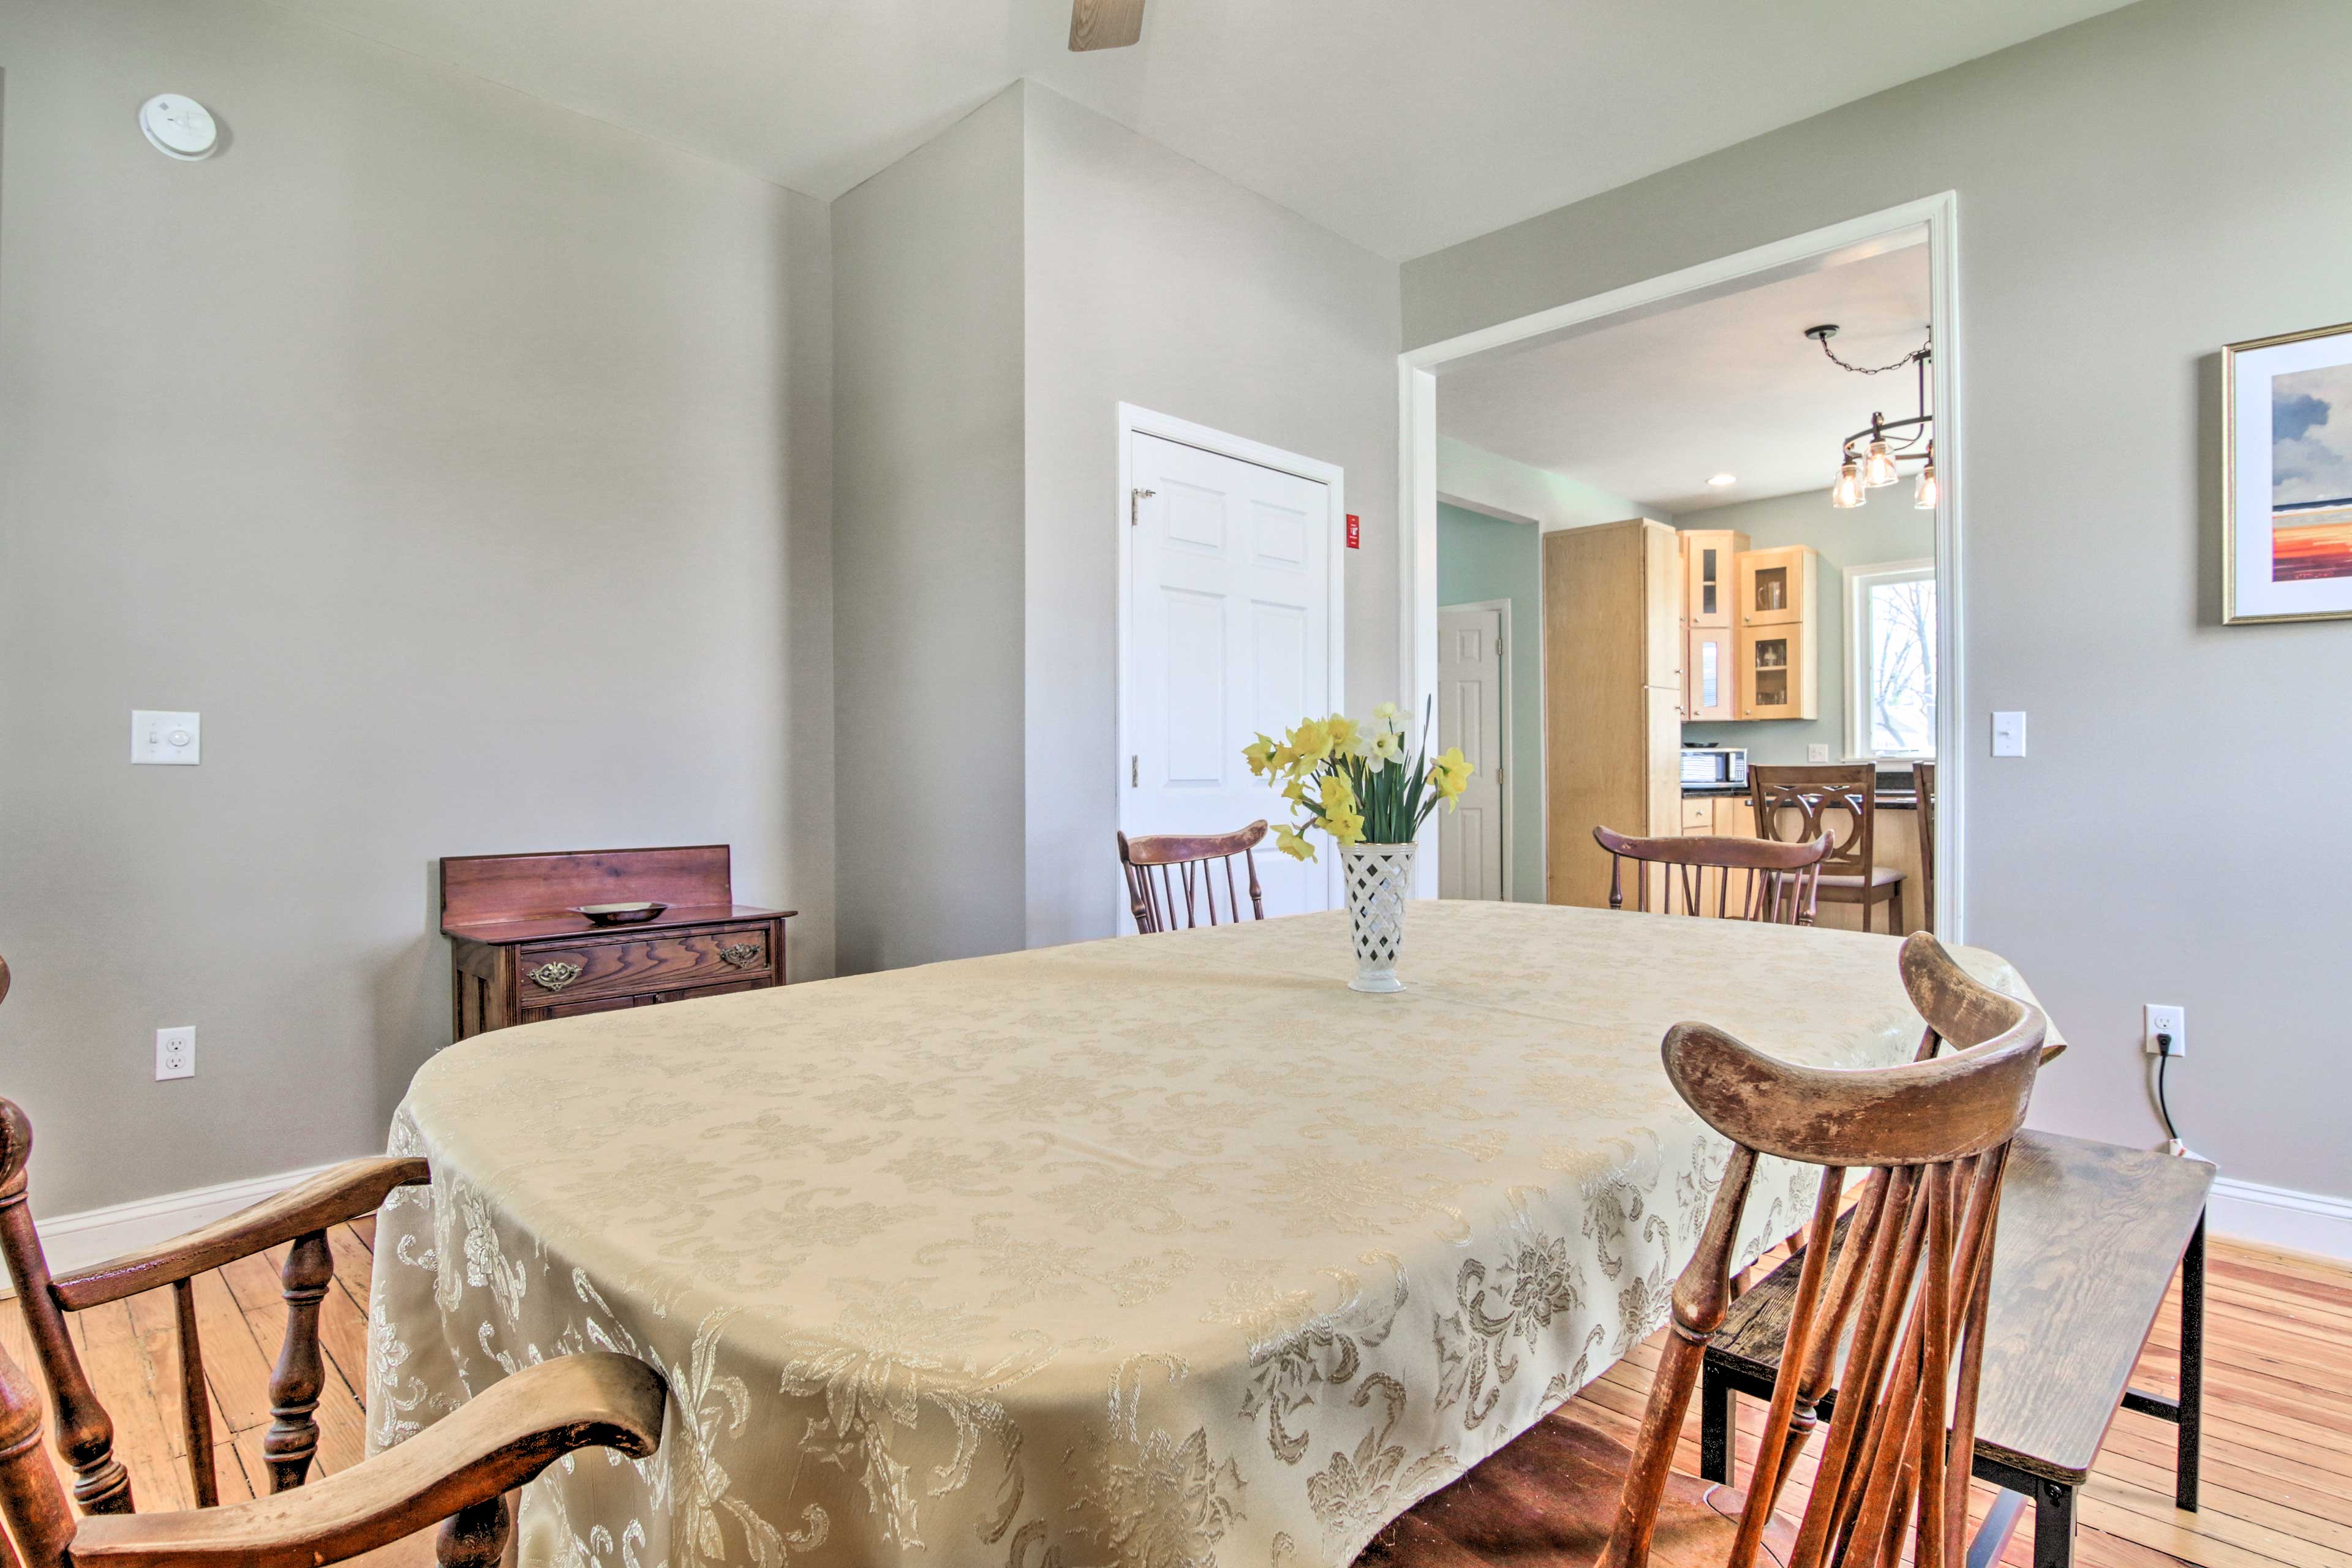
{"x":2311,"y":474}
{"x":2287,"y":488}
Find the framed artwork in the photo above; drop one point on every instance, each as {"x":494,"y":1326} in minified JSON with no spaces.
{"x":2286,"y":478}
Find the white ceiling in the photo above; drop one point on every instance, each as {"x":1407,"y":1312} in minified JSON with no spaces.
{"x":1405,"y":125}
{"x":1651,"y":407}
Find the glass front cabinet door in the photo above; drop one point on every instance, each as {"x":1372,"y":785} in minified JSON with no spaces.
{"x":1779,"y":619}
{"x":1711,"y":682}
{"x":1712,"y":674}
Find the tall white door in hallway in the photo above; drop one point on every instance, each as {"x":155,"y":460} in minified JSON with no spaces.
{"x":1226,"y":632}
{"x":1470,"y":708}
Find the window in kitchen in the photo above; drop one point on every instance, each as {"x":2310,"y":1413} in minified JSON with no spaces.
{"x":1890,"y":659}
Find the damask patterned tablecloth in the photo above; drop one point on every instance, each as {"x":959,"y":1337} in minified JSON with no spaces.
{"x":1164,"y":1251}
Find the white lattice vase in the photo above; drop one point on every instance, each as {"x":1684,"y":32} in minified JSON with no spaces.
{"x":1379,"y":877}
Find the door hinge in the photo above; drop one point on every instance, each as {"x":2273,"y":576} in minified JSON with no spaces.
{"x":1135,"y":499}
{"x":1135,"y":772}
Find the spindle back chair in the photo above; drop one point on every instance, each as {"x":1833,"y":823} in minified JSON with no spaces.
{"x":1162,"y":868}
{"x":300,"y":1215}
{"x":1780,"y":884}
{"x":1909,"y":1283}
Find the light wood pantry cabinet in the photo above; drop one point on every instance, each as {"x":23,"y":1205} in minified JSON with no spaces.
{"x":1778,"y":644}
{"x":1612,"y":696}
{"x":1711,"y":684}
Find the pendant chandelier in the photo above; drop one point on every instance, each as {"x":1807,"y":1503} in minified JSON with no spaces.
{"x":1872,"y":457}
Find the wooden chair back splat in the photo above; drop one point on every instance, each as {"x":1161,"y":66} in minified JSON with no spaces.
{"x":300,"y":1215}
{"x":1779,"y":885}
{"x":1794,"y":802}
{"x":1909,"y":1281}
{"x":1165,"y":868}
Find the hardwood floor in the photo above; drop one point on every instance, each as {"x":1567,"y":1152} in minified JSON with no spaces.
{"x":2278,"y":1420}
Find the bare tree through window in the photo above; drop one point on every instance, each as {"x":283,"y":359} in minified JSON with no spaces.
{"x":1899,"y":641}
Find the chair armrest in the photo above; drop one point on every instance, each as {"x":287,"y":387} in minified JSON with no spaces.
{"x":353,"y":1188}
{"x":494,"y":1442}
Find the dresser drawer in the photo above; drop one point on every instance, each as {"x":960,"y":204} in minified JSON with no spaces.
{"x":578,"y":970}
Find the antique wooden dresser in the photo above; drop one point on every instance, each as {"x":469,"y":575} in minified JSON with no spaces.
{"x":522,"y":955}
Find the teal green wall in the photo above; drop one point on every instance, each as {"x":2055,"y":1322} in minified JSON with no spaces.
{"x":1480,"y":558}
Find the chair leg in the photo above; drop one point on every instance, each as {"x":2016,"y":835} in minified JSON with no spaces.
{"x":1715,"y":1410}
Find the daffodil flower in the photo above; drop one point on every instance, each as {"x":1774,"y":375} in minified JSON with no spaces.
{"x":1287,"y":840}
{"x":1259,"y":753}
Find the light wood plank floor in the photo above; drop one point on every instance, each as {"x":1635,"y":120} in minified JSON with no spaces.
{"x":2278,"y":1413}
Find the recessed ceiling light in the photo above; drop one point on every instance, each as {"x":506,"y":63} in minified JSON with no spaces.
{"x":1721,"y":480}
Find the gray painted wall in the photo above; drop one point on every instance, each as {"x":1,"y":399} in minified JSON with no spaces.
{"x":2135,"y":191}
{"x":928,"y":548}
{"x":1152,"y":281}
{"x":1481,"y":558}
{"x":463,"y":461}
{"x":1888,"y":529}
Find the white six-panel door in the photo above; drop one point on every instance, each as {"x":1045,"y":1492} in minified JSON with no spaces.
{"x":1227,"y":632}
{"x":1470,"y":653}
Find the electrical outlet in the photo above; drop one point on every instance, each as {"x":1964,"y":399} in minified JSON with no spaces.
{"x":176,"y":1052}
{"x":2155,"y":1018}
{"x":1817,"y":754}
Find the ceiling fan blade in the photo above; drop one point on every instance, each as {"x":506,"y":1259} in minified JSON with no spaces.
{"x":1105,"y":23}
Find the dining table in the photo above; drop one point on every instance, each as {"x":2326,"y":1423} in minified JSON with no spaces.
{"x":1164,"y":1250}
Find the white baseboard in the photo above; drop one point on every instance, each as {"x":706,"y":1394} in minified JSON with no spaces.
{"x":2281,"y":1216}
{"x":74,"y":1241}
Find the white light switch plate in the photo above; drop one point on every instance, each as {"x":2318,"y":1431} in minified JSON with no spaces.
{"x":165,"y":737}
{"x":1817,"y":754}
{"x":2009,"y":734}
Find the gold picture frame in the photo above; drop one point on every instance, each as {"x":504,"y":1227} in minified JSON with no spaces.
{"x":2274,"y":469}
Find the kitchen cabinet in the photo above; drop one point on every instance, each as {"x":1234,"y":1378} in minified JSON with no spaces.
{"x":1711,"y":684}
{"x":1778,"y":645}
{"x":1613,"y":697}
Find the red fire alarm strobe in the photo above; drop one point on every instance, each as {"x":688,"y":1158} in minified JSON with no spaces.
{"x":1355,"y":532}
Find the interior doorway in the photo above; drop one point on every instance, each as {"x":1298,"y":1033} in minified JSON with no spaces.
{"x":1904,"y":703}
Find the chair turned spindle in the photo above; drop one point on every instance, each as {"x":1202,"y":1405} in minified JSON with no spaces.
{"x":1164,"y":869}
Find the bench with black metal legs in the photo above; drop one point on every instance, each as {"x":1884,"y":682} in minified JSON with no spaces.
{"x":2090,"y":1235}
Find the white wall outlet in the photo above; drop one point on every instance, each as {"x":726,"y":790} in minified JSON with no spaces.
{"x":164,"y":737}
{"x":176,"y":1052}
{"x":2155,"y":1018}
{"x":1817,"y":754}
{"x":2009,"y":734}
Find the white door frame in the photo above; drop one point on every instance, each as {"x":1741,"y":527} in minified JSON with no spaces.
{"x":1504,"y":737}
{"x":1134,"y":421}
{"x":1865,"y":235}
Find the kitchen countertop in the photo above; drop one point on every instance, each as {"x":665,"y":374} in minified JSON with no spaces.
{"x":1891,"y":800}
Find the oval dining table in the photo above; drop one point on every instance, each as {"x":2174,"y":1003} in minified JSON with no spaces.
{"x":1165,"y":1250}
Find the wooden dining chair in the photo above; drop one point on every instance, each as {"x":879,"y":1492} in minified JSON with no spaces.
{"x":1923,"y":782}
{"x":1797,"y":803}
{"x":456,"y":1473}
{"x":300,"y":1215}
{"x":1158,"y":867}
{"x":1907,"y":1292}
{"x":1776,"y":886}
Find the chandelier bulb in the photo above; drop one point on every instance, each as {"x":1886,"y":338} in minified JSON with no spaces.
{"x":1928,"y":492}
{"x":1878,"y":469}
{"x":1848,"y":491}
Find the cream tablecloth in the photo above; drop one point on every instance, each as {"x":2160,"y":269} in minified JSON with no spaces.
{"x":1161,"y":1251}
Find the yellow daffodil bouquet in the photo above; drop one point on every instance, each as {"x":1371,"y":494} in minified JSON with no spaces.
{"x":1354,"y":782}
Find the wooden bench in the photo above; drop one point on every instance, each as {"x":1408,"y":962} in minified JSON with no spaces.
{"x":2089,"y":1237}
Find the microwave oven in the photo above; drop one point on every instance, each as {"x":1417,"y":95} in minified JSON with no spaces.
{"x":1715,"y":765}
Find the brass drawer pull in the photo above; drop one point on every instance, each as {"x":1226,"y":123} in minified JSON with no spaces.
{"x":555,"y":974}
{"x":742,"y":954}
